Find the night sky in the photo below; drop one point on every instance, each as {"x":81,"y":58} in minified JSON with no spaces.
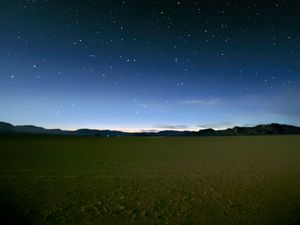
{"x":149,"y":65}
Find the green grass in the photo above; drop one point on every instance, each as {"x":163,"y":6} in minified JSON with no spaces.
{"x":213,"y":180}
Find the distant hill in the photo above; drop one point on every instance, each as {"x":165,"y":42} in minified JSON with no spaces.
{"x":6,"y":128}
{"x":268,"y":129}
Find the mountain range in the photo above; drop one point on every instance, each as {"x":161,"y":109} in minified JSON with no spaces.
{"x":266,"y":129}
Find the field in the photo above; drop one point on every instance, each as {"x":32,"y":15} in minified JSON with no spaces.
{"x":103,"y":181}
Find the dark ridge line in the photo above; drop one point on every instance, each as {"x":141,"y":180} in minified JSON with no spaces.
{"x":264,"y":129}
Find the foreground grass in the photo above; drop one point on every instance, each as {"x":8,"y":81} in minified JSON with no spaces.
{"x":213,"y":180}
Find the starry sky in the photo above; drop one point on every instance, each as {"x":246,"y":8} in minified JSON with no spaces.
{"x":149,"y":65}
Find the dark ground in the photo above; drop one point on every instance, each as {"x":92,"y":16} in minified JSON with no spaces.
{"x":206,"y":180}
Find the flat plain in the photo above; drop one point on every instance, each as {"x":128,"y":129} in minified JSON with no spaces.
{"x":196,"y":180}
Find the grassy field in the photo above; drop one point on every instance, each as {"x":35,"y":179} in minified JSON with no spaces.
{"x":103,"y":181}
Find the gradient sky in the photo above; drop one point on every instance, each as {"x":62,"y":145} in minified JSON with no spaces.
{"x":149,"y":65}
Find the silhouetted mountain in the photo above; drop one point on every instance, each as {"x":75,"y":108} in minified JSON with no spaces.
{"x":36,"y":130}
{"x":173,"y":133}
{"x":100,"y":133}
{"x":6,"y":127}
{"x":270,"y":129}
{"x":207,"y":132}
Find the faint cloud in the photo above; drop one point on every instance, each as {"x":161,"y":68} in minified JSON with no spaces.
{"x":173,"y":127}
{"x":221,"y":125}
{"x":285,"y":103}
{"x":144,"y":106}
{"x":204,"y":102}
{"x":149,"y":131}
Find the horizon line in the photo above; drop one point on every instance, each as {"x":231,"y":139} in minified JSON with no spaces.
{"x":148,"y":130}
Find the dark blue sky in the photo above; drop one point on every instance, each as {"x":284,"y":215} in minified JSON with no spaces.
{"x":149,"y":65}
